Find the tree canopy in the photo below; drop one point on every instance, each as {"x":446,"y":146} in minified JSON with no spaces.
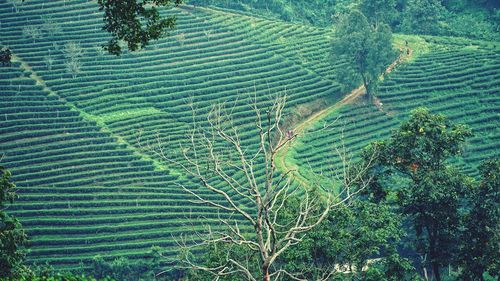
{"x":429,"y":192}
{"x":422,"y":16}
{"x":366,"y":49}
{"x":379,"y":11}
{"x":481,"y":236}
{"x":134,"y":22}
{"x":5,"y":57}
{"x":13,"y":238}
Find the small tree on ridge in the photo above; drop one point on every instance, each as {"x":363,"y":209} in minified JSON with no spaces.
{"x":366,"y":49}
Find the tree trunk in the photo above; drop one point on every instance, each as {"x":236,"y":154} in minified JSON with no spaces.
{"x":435,"y":270}
{"x":426,"y":276}
{"x":367,"y":89}
{"x":265,"y":273}
{"x":432,"y":254}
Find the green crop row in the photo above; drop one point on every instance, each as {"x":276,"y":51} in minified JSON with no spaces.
{"x":439,"y":81}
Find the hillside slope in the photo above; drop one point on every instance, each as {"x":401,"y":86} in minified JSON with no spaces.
{"x":76,"y":144}
{"x":88,"y":186}
{"x":455,"y":77}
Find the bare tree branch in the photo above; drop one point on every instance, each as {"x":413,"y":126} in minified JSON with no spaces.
{"x":213,"y":155}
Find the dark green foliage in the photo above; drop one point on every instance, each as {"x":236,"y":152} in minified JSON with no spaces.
{"x":45,"y":276}
{"x":5,"y":56}
{"x":379,"y":11}
{"x":124,"y":269}
{"x":424,"y":143}
{"x":481,"y":237}
{"x":468,"y":18}
{"x":391,"y":268}
{"x":422,"y":16}
{"x":13,"y":239}
{"x":217,"y":254}
{"x":452,"y":18}
{"x":317,"y":12}
{"x":135,"y":22}
{"x":350,"y":237}
{"x":366,"y":49}
{"x":430,"y":193}
{"x":433,"y":202}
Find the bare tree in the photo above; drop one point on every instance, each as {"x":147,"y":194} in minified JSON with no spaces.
{"x":215,"y":153}
{"x":99,"y":50}
{"x":72,"y":50}
{"x":73,"y":67}
{"x":52,"y":27}
{"x":49,"y":61}
{"x":180,"y":38}
{"x":32,"y":32}
{"x":15,"y":4}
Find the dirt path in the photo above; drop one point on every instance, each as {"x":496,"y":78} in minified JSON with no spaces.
{"x":280,"y":158}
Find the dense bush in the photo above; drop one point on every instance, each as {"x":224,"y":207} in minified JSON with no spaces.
{"x":474,"y":19}
{"x":317,"y":12}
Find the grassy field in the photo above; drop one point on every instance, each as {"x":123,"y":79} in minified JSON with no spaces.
{"x":75,"y":143}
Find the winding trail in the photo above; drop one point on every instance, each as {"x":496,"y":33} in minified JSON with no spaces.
{"x":280,"y":158}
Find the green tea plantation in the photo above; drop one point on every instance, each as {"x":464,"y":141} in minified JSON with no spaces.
{"x":76,"y":123}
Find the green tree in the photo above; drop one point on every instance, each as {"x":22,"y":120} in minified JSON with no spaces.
{"x":350,"y":237}
{"x":391,"y":268}
{"x":366,"y":50}
{"x":422,"y":16}
{"x":13,"y":238}
{"x":344,"y":242}
{"x":5,"y":57}
{"x":135,"y":22}
{"x":216,"y":254}
{"x":124,"y":269}
{"x":427,"y":190}
{"x":379,"y":11}
{"x":481,"y":236}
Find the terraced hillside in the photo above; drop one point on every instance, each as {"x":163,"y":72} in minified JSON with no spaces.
{"x":82,"y":191}
{"x":72,"y":134}
{"x":454,"y":77}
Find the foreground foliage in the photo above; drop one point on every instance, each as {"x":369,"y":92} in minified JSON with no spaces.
{"x":13,"y":238}
{"x":347,"y":241}
{"x":481,"y":235}
{"x":135,"y":22}
{"x":413,"y":172}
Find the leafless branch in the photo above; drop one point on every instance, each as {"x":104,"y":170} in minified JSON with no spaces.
{"x":213,"y":154}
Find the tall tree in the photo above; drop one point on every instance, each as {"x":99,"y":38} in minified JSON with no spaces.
{"x":366,"y":50}
{"x":12,"y":236}
{"x":135,"y":21}
{"x":427,"y":190}
{"x":481,"y":237}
